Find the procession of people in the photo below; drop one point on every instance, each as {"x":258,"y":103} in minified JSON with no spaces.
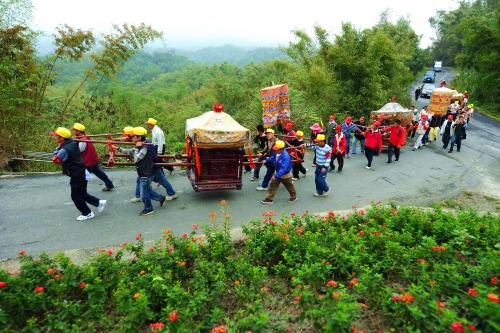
{"x":282,"y":155}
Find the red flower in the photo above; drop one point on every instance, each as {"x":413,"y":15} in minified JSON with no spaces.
{"x":396,"y":298}
{"x":82,"y":284}
{"x":51,"y":271}
{"x":331,"y":214}
{"x":156,"y":327}
{"x":362,"y":212}
{"x":138,"y":236}
{"x":122,"y":245}
{"x":22,"y":252}
{"x":39,"y":290}
{"x":472,"y":327}
{"x":407,"y":298}
{"x":170,"y":249}
{"x":292,"y":214}
{"x":375,"y":233}
{"x":493,"y":297}
{"x":168,"y":230}
{"x":335,"y":295}
{"x":494,"y":280}
{"x":110,"y":252}
{"x":142,"y":273}
{"x":438,"y":248}
{"x":472,"y":292}
{"x":151,"y":249}
{"x":441,"y":304}
{"x":327,"y":263}
{"x":3,"y":284}
{"x":331,"y":283}
{"x":297,"y":299}
{"x":183,"y":264}
{"x":173,"y":316}
{"x":360,"y":234}
{"x":194,"y":226}
{"x":354,"y":206}
{"x":353,"y":282}
{"x":457,"y":327}
{"x":57,"y":276}
{"x":184,"y":235}
{"x":219,"y":329}
{"x":422,"y":261}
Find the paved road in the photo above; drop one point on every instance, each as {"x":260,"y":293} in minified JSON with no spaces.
{"x":36,"y":213}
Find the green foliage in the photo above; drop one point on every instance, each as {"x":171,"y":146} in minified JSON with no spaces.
{"x":377,"y":270}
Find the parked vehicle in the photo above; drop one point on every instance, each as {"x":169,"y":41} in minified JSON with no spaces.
{"x":438,"y":66}
{"x":426,"y":90}
{"x":430,"y":76}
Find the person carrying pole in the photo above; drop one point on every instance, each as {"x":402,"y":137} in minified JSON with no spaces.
{"x":297,"y":166}
{"x":68,"y":156}
{"x":396,"y":140}
{"x":323,"y":158}
{"x":143,"y":155}
{"x":339,"y":149}
{"x":269,"y":152}
{"x":90,"y":157}
{"x":282,"y":175}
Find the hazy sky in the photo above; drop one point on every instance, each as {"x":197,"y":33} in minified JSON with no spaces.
{"x":200,"y":23}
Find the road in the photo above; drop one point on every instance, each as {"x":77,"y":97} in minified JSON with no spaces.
{"x":36,"y":213}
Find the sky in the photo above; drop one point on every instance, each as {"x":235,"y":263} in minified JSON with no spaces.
{"x":196,"y":24}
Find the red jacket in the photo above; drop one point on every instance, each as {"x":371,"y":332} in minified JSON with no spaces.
{"x":89,"y":155}
{"x":397,"y":137}
{"x":373,"y":140}
{"x":336,"y":145}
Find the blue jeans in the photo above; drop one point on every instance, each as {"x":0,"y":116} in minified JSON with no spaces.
{"x":347,"y":144}
{"x":158,"y":177}
{"x":361,"y":143}
{"x":330,"y":141}
{"x":320,"y":180}
{"x":147,"y":193}
{"x":268,"y":176}
{"x":97,"y":171}
{"x":256,"y":171}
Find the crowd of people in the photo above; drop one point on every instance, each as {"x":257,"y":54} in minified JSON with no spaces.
{"x":282,"y":155}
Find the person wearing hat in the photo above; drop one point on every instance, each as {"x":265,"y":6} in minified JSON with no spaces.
{"x":260,"y":142}
{"x":68,"y":155}
{"x":282,"y":175}
{"x":297,"y":166}
{"x":459,"y":127}
{"x":358,"y":136}
{"x":466,"y":96}
{"x":330,"y":129}
{"x":143,"y":156}
{"x":396,"y":140}
{"x":315,"y":130}
{"x":289,"y":134}
{"x":373,"y":143}
{"x":323,"y":159}
{"x":90,"y":157}
{"x":454,"y":108}
{"x":446,"y":130}
{"x":157,"y":135}
{"x":421,"y":128}
{"x":469,"y":112}
{"x":348,"y":127}
{"x":268,"y":152}
{"x":339,"y":149}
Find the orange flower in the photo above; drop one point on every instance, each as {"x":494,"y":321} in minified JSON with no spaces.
{"x":227,"y":216}
{"x":407,"y":298}
{"x":173,"y":316}
{"x":136,"y":296}
{"x":151,"y":249}
{"x":335,"y":295}
{"x":51,"y":271}
{"x":237,"y":282}
{"x":168,"y":230}
{"x":331,"y":283}
{"x":82,"y":284}
{"x":493,"y":297}
{"x":441,"y":304}
{"x":183,"y":264}
{"x":219,"y":329}
{"x":194,"y":226}
{"x":57,"y":276}
{"x":138,"y":236}
{"x":353,"y":282}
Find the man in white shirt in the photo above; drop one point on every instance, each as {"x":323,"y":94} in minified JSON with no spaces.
{"x":158,"y":138}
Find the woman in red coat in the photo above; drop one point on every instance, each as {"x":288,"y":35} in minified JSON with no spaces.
{"x":338,"y":149}
{"x":373,"y":143}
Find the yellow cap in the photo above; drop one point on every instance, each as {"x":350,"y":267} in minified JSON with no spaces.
{"x":456,"y":102}
{"x":320,"y":137}
{"x":139,"y":131}
{"x":279,"y":145}
{"x":471,"y":105}
{"x":269,"y":130}
{"x":128,"y":130}
{"x":79,"y":127}
{"x":152,"y":121}
{"x":62,"y":132}
{"x":299,"y":133}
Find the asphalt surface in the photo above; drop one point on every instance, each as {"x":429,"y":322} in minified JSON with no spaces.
{"x":37,"y":214}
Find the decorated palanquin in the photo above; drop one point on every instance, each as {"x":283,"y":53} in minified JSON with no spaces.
{"x":441,"y":98}
{"x":275,"y":105}
{"x":215,"y":144}
{"x":388,"y":114}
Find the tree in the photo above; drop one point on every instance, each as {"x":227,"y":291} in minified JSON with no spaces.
{"x":15,"y":12}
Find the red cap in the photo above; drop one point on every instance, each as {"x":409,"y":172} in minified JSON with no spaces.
{"x":289,"y":126}
{"x":348,"y":119}
{"x":424,"y":116}
{"x":338,"y":128}
{"x":377,"y":124}
{"x":450,"y":116}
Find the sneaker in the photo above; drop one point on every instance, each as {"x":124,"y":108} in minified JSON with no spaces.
{"x":247,"y":172}
{"x":314,"y":165}
{"x":162,"y":201}
{"x":367,"y":167}
{"x":135,"y":199}
{"x":108,"y":189}
{"x":307,"y":170}
{"x":267,"y":202}
{"x":388,"y":162}
{"x":325,"y":194}
{"x":413,"y":149}
{"x":86,"y":217}
{"x":340,"y":170}
{"x":102,"y":205}
{"x":316,"y":194}
{"x":146,"y":212}
{"x":260,"y":188}
{"x":396,"y":160}
{"x":295,"y":179}
{"x":171,"y":197}
{"x":292,"y":200}
{"x":353,"y":153}
{"x":254,"y":179}
{"x":450,"y":151}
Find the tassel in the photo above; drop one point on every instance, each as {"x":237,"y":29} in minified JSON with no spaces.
{"x":250,"y":158}
{"x":197,"y":159}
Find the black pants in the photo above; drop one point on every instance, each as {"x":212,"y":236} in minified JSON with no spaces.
{"x":247,"y":166}
{"x":298,"y":167}
{"x":80,"y":196}
{"x":369,"y":152}
{"x":393,"y":149}
{"x":457,"y":138}
{"x":340,"y":158}
{"x":446,"y":140}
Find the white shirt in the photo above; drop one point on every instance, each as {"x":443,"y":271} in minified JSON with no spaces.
{"x":158,"y":138}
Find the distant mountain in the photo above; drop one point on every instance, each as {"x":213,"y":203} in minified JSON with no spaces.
{"x":233,"y":55}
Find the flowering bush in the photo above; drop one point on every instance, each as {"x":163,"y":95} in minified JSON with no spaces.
{"x":383,"y":270}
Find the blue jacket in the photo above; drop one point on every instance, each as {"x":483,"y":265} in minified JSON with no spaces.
{"x":347,"y":129}
{"x":283,"y":164}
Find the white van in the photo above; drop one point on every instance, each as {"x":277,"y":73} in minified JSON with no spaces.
{"x":438,"y":66}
